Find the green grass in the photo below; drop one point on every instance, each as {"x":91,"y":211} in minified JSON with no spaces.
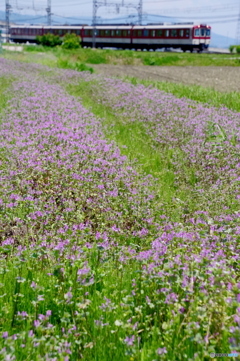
{"x":35,"y":284}
{"x":201,"y":94}
{"x":4,"y":97}
{"x":130,"y":57}
{"x":134,"y":142}
{"x":138,"y":146}
{"x":95,"y":313}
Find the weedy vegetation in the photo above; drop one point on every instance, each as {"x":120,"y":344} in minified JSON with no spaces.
{"x":126,"y":57}
{"x":119,"y":219}
{"x":210,"y":96}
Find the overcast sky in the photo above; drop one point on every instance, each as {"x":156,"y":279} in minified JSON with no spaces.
{"x":222,"y":15}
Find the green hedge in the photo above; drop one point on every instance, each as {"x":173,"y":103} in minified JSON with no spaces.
{"x":49,"y":39}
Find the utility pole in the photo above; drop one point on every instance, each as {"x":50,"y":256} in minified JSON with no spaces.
{"x":48,"y":10}
{"x":140,"y":6}
{"x":97,"y":4}
{"x":8,"y":9}
{"x":94,"y":23}
{"x":238,"y":28}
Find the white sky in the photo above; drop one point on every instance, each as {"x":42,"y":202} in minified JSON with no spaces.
{"x":222,"y":15}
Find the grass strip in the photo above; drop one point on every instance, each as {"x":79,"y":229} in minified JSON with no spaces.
{"x":49,"y":56}
{"x":4,"y":96}
{"x":136,"y":144}
{"x":131,"y":57}
{"x":194,"y":92}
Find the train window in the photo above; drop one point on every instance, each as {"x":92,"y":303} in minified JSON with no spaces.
{"x":159,"y":32}
{"x":129,"y":32}
{"x":167,"y":33}
{"x":124,"y":32}
{"x":140,"y":33}
{"x":197,"y":32}
{"x":107,"y":32}
{"x":187,"y":33}
{"x":208,"y":32}
{"x":78,"y":32}
{"x":86,"y":31}
{"x":181,"y":33}
{"x":112,"y":33}
{"x":153,"y":33}
{"x":145,"y":32}
{"x":173,"y":33}
{"x":202,"y":32}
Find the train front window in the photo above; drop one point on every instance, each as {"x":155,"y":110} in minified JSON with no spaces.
{"x":197,"y":32}
{"x":202,"y":32}
{"x":208,"y":32}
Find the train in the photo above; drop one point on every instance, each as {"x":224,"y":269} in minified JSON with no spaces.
{"x":184,"y":36}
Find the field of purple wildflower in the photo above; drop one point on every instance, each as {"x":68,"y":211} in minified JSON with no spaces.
{"x":99,"y":258}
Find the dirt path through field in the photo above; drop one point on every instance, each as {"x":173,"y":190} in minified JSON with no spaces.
{"x":224,"y":79}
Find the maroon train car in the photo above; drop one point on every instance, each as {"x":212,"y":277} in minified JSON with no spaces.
{"x":150,"y":37}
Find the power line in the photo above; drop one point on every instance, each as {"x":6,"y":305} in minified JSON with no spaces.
{"x":201,"y":9}
{"x":8,"y":9}
{"x":121,"y":4}
{"x":198,"y":17}
{"x":238,"y":28}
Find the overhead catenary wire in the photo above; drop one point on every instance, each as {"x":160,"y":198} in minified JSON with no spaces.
{"x":221,"y":13}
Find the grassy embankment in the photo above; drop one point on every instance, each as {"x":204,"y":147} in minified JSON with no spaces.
{"x":129,"y":57}
{"x":84,"y":57}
